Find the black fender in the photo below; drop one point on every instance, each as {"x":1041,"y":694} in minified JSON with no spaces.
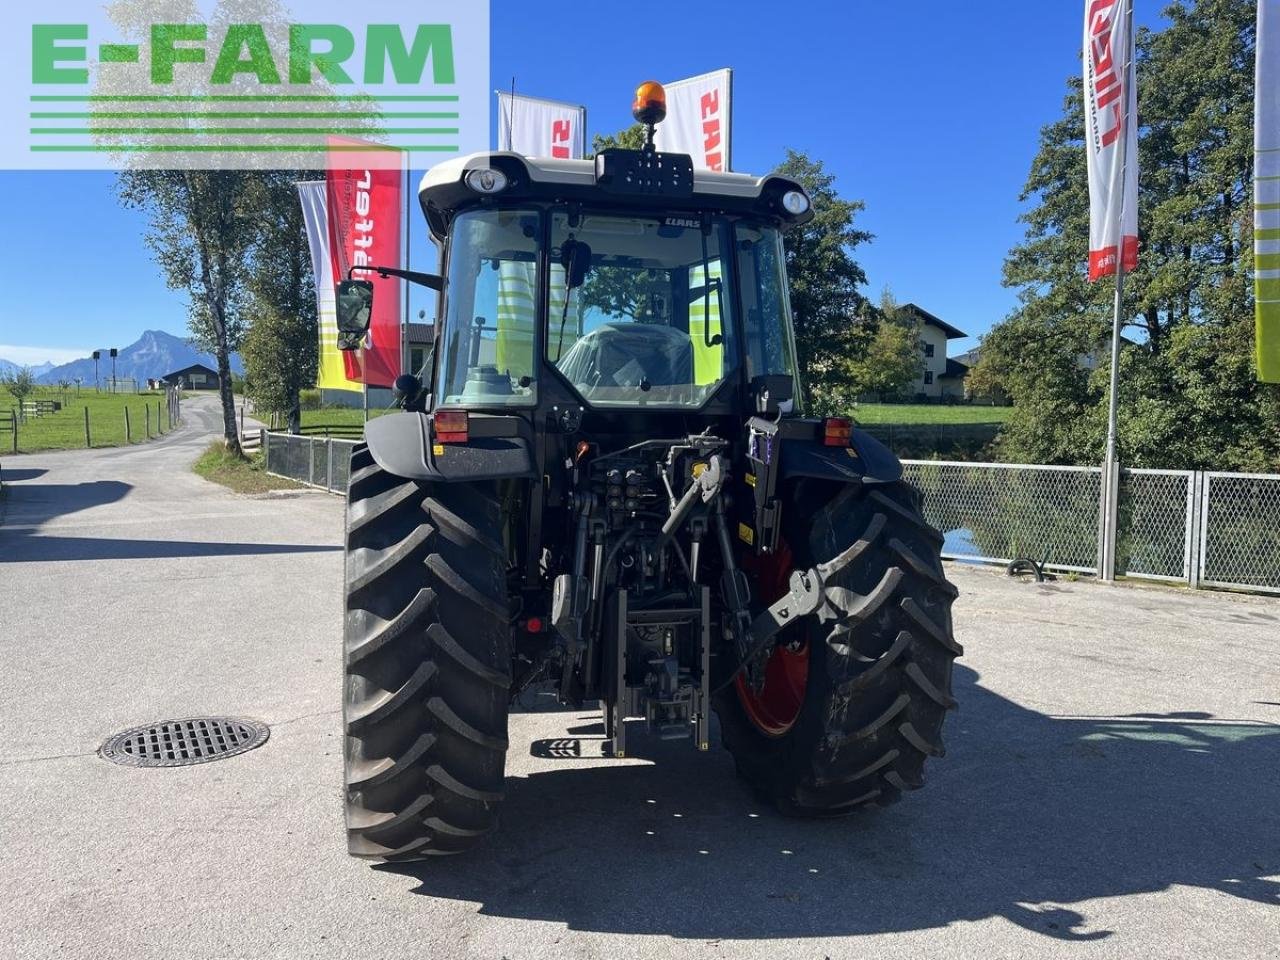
{"x":865,"y":460}
{"x":401,"y":444}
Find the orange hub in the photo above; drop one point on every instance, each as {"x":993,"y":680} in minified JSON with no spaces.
{"x":775,"y":708}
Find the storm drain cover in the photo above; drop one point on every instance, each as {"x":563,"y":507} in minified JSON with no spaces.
{"x":178,"y":743}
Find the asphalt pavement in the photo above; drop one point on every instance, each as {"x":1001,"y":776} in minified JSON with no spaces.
{"x":1111,"y":790}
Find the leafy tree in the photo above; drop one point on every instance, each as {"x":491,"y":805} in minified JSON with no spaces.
{"x":280,"y":349}
{"x":202,"y":233}
{"x":893,"y":359}
{"x":21,"y":383}
{"x":834,"y":323}
{"x":631,"y":138}
{"x":1188,"y":394}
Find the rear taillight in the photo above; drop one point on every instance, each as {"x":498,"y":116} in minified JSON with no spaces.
{"x":836,"y":431}
{"x":451,"y":426}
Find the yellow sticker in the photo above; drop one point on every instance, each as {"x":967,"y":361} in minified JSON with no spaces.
{"x":438,"y":449}
{"x":697,"y":469}
{"x":746,"y":534}
{"x":751,"y":479}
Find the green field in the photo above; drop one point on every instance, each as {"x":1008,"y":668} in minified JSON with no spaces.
{"x":906,"y":414}
{"x":64,"y":430}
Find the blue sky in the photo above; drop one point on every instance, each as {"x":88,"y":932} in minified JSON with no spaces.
{"x":927,"y":111}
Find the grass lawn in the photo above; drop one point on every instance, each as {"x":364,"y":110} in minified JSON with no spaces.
{"x":241,"y":474}
{"x":928,"y":413}
{"x":64,"y":430}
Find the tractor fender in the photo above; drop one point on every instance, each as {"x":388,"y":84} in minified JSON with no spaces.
{"x":866,"y":460}
{"x":401,"y":445}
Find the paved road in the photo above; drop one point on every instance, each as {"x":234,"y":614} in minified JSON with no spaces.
{"x":1112,"y":788}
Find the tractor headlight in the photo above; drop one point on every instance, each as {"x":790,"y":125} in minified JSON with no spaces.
{"x":795,"y":203}
{"x":487,"y":181}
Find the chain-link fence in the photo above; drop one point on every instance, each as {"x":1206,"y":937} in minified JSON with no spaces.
{"x":1240,"y":531}
{"x":319,"y":461}
{"x":998,"y":512}
{"x":1219,"y":529}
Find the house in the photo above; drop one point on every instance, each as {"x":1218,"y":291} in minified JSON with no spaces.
{"x":195,"y":377}
{"x":419,"y":338}
{"x":941,"y":377}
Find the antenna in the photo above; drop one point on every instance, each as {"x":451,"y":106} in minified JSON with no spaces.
{"x":511,"y":113}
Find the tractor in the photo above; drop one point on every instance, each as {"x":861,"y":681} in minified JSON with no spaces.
{"x":606,"y":487}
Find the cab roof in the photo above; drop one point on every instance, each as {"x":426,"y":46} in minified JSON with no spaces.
{"x":443,"y":192}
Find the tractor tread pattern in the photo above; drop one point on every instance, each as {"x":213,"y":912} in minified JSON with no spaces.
{"x":427,"y":664}
{"x":881,"y":659}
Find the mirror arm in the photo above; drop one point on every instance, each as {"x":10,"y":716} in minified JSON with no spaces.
{"x":431,"y":280}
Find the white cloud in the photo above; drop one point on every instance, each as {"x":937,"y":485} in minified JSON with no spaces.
{"x":33,"y":356}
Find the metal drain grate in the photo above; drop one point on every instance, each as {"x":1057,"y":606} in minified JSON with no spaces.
{"x":178,"y":743}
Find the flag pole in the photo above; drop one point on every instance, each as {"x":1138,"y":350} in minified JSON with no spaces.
{"x":1110,"y":466}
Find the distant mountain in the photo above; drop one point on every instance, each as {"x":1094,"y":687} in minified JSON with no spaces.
{"x":7,"y":367}
{"x":153,"y":355}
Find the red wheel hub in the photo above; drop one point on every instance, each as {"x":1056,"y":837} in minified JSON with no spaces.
{"x":775,"y":707}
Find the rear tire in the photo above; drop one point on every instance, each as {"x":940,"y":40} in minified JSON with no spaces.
{"x":880,"y":654}
{"x":426,"y":662}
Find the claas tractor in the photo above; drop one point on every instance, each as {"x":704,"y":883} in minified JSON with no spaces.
{"x":606,"y":487}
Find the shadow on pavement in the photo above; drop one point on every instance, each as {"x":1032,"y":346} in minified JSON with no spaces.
{"x":30,"y":505}
{"x":1028,"y":815}
{"x":18,"y":474}
{"x":37,"y":549}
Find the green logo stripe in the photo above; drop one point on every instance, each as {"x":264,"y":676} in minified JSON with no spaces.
{"x":1268,"y":261}
{"x":238,"y":131}
{"x":231,"y":148}
{"x":235,"y":98}
{"x":1266,"y":234}
{"x":240,"y":115}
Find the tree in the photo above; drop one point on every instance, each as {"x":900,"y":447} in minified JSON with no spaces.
{"x":893,"y":359}
{"x":630,"y":138}
{"x":1188,"y":396}
{"x":834,"y":324}
{"x":202,"y":233}
{"x":21,"y":383}
{"x":281,"y":351}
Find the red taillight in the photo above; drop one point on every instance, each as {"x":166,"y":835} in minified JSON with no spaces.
{"x":451,"y":426}
{"x":836,"y":431}
{"x":533,"y":624}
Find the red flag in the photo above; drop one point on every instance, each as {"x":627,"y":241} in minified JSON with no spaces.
{"x":1111,"y":135}
{"x":365,"y":204}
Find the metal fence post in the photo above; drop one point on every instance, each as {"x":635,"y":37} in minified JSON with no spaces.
{"x":1195,"y":493}
{"x":1202,"y":541}
{"x":328,"y":480}
{"x":311,"y":461}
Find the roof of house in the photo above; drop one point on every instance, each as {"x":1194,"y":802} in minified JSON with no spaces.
{"x":951,"y":332}
{"x":955,"y":368}
{"x":421,"y":333}
{"x":193,"y":368}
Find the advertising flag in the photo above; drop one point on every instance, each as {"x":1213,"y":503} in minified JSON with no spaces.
{"x":1111,"y":136}
{"x":364,"y":205}
{"x":541,"y":128}
{"x":699,"y":120}
{"x":1266,"y":192}
{"x":332,"y":373}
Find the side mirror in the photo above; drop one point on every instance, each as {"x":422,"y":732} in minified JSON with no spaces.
{"x":773,"y":393}
{"x":355,"y":307}
{"x":575,"y":257}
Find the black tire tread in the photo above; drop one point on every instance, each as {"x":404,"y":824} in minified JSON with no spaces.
{"x":427,"y":664}
{"x":880,"y":660}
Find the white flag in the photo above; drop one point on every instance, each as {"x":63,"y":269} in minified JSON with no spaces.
{"x":699,"y":120}
{"x":1266,"y":192}
{"x":541,"y":128}
{"x":315,"y":216}
{"x":1111,"y":135}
